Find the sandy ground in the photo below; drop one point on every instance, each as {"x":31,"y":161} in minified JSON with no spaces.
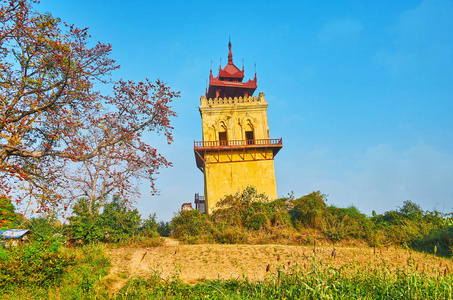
{"x":193,"y":263}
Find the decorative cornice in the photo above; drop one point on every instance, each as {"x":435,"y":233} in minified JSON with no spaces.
{"x":232,"y":101}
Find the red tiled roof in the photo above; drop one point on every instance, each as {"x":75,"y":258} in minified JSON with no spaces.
{"x":229,"y":81}
{"x":231,"y":71}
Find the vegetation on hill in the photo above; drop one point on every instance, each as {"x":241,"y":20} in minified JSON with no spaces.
{"x":46,"y":267}
{"x":248,"y":217}
{"x":115,"y":223}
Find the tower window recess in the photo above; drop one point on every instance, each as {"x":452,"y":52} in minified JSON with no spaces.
{"x":249,"y":137}
{"x":223,"y":138}
{"x":249,"y":134}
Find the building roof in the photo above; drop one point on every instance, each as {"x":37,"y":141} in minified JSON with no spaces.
{"x":13,"y":233}
{"x":229,"y":81}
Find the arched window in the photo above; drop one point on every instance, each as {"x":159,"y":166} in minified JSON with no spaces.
{"x":223,"y":135}
{"x":249,"y":134}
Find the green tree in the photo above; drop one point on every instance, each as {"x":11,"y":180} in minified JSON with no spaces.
{"x":164,"y":228}
{"x":150,"y":226}
{"x":8,"y":217}
{"x":45,"y":228}
{"x":84,"y":225}
{"x":119,"y":221}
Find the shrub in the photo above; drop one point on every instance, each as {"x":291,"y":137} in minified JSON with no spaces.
{"x":440,"y":238}
{"x":164,"y":228}
{"x":149,"y":227}
{"x":281,"y":218}
{"x":343,"y":223}
{"x":120,"y":222}
{"x":238,"y":208}
{"x":231,"y":235}
{"x":117,"y":223}
{"x":257,"y":221}
{"x":38,"y":271}
{"x":45,"y":228}
{"x":85,"y":226}
{"x":310,"y":210}
{"x":8,"y":217}
{"x":192,"y":226}
{"x":38,"y":263}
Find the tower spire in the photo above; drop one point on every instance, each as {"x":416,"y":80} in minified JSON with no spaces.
{"x":230,"y":54}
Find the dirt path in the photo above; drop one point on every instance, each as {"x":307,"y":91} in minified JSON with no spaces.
{"x":169,"y":242}
{"x":192,"y":263}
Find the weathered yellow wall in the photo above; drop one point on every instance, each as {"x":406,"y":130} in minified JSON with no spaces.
{"x":237,"y":169}
{"x":228,"y":178}
{"x":234,"y":114}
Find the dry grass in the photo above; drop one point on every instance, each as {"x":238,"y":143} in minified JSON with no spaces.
{"x":194,"y":263}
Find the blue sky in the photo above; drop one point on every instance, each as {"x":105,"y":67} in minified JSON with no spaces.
{"x":361,"y":92}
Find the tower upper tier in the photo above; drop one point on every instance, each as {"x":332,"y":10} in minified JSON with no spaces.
{"x":229,"y":81}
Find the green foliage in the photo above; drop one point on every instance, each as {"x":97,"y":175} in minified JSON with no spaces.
{"x":411,"y":226}
{"x":164,"y":228}
{"x":257,"y":221}
{"x":232,"y":222}
{"x":192,"y":226}
{"x":411,"y":211}
{"x":310,"y":210}
{"x":347,"y":223}
{"x":8,"y":217}
{"x":230,"y":235}
{"x":39,"y":263}
{"x":238,"y":208}
{"x":439,"y":238}
{"x":149,"y":226}
{"x":45,"y":228}
{"x":44,"y":270}
{"x":281,"y":218}
{"x":239,"y":216}
{"x":296,"y":283}
{"x":119,"y":221}
{"x":85,"y":226}
{"x":336,"y":223}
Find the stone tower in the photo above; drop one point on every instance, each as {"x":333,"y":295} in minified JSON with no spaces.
{"x":236,"y":150}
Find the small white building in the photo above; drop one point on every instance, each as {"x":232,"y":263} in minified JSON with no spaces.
{"x":13,"y":236}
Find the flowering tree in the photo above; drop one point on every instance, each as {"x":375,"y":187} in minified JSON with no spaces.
{"x":51,"y":116}
{"x":7,"y":216}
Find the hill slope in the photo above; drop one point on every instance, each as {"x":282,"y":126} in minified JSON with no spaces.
{"x":194,"y":263}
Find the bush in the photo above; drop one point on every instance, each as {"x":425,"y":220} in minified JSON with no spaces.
{"x":281,"y":218}
{"x":117,"y":223}
{"x":257,"y":221}
{"x":164,"y":228}
{"x":85,"y":226}
{"x":8,"y":218}
{"x":192,"y":226}
{"x":43,"y":271}
{"x":238,"y":208}
{"x":45,"y":228}
{"x":39,"y":263}
{"x":439,"y":238}
{"x":149,"y":227}
{"x":310,"y":210}
{"x":231,"y":235}
{"x":344,"y":223}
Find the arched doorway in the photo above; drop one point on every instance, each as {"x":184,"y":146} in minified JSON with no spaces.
{"x":223,"y":135}
{"x":249,"y":134}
